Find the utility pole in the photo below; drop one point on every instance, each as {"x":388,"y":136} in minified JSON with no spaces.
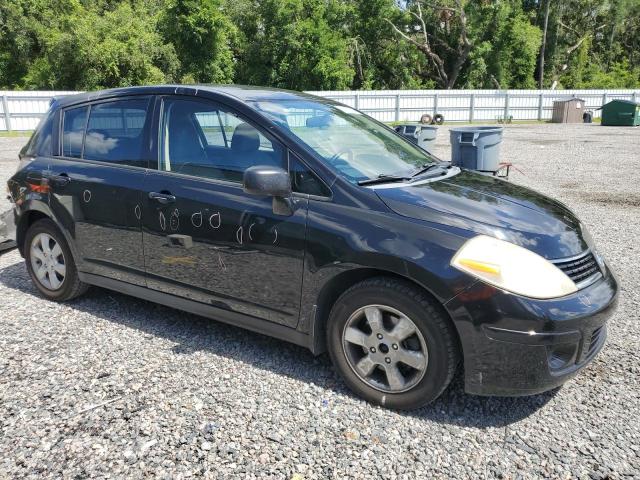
{"x":543,"y":46}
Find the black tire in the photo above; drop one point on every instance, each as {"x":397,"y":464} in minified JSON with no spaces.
{"x":438,"y":119}
{"x":71,"y":286}
{"x":429,"y":318}
{"x":426,"y":119}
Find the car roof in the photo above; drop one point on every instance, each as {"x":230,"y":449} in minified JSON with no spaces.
{"x":243,"y":93}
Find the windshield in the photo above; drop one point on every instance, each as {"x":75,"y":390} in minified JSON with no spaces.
{"x":354,"y":144}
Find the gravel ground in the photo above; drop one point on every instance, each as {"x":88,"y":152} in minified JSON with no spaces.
{"x":110,"y":386}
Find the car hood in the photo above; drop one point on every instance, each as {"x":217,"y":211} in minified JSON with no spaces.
{"x":489,"y":206}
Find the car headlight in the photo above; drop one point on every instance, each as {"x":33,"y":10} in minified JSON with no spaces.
{"x":512,"y":268}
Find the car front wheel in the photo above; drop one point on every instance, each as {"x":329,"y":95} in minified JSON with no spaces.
{"x":392,"y":343}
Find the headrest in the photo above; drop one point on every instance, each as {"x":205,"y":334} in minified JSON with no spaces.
{"x":319,"y":121}
{"x":245,"y":139}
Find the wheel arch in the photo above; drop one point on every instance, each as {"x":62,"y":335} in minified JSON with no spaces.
{"x":336,"y":286}
{"x":31,"y":213}
{"x":27,"y":219}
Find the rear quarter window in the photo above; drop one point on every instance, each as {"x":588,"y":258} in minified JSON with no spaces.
{"x":40,"y":143}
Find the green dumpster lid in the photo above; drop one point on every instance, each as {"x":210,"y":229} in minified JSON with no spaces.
{"x":622,"y":101}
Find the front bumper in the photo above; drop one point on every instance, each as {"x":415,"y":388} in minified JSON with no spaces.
{"x":520,"y":346}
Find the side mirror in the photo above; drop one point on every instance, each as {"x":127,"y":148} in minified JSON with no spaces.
{"x":264,"y":180}
{"x":270,"y":181}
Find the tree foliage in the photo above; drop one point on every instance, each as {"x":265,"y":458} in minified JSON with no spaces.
{"x":200,"y":33}
{"x":320,"y":44}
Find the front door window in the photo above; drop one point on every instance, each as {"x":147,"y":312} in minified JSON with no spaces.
{"x":204,"y":140}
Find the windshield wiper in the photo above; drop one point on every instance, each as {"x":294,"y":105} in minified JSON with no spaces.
{"x":383,"y":179}
{"x":429,"y":166}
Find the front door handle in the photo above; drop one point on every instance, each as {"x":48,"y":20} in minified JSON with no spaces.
{"x":163,"y":198}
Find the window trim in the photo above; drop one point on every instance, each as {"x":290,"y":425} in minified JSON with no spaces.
{"x":324,"y":198}
{"x":59,"y":152}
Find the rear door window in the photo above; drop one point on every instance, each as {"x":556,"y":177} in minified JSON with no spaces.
{"x":74,"y":122}
{"x":116,"y":131}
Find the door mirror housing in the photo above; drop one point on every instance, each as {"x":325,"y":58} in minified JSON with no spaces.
{"x":268,"y":181}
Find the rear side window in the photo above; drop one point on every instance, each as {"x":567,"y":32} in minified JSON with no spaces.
{"x":74,"y":122}
{"x":115,"y":132}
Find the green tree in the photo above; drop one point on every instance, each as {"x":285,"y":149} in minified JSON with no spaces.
{"x":297,"y":44}
{"x":87,"y":49}
{"x":473,"y":44}
{"x":320,"y":44}
{"x":507,"y":44}
{"x":24,"y":26}
{"x":201,"y":34}
{"x":379,"y":60}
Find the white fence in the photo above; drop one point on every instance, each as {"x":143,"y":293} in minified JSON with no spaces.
{"x":22,"y":110}
{"x":471,"y":105}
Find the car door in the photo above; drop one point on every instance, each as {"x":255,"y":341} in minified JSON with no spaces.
{"x":205,"y":238}
{"x":96,"y":183}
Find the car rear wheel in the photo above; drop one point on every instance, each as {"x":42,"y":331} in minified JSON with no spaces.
{"x":392,"y":343}
{"x":50,"y":263}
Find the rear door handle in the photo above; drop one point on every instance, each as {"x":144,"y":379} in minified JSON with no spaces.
{"x":163,"y":198}
{"x":61,"y":180}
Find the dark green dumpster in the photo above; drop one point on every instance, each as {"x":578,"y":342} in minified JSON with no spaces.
{"x":621,"y":113}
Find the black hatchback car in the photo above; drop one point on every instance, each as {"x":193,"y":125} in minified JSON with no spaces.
{"x":304,"y":219}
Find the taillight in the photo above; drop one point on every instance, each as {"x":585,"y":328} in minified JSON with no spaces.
{"x":38,"y":185}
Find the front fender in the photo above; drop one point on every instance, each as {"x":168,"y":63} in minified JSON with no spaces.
{"x":352,"y":243}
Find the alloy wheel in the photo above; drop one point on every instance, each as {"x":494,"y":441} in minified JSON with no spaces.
{"x":385,"y":348}
{"x":47,"y":261}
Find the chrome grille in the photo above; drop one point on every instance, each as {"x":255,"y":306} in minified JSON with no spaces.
{"x":582,"y":269}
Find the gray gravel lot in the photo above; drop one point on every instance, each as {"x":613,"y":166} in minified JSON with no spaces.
{"x":111,"y":386}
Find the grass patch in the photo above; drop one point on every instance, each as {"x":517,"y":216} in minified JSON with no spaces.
{"x":16,"y":133}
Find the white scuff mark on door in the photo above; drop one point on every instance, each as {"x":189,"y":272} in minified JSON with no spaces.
{"x":174,"y":220}
{"x":163,"y":222}
{"x":249,"y":232}
{"x":196,"y":219}
{"x":239,"y":234}
{"x":138,"y":212}
{"x":275,"y":231}
{"x":86,"y":196}
{"x":215,"y":220}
